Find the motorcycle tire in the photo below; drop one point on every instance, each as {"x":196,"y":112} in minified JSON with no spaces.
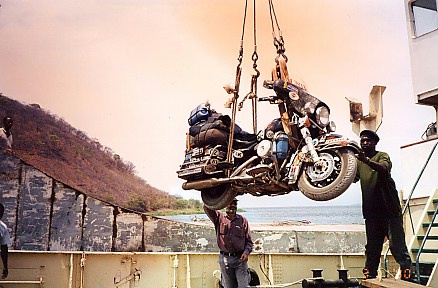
{"x":218,"y":197}
{"x":334,"y":184}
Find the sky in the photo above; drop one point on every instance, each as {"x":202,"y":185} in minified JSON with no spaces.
{"x":128,"y":72}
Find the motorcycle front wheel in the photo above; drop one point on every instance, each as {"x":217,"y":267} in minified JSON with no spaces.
{"x":218,"y":197}
{"x":331,"y":180}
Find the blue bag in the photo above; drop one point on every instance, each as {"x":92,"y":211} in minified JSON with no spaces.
{"x":200,"y":113}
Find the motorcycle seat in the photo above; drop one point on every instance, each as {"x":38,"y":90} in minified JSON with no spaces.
{"x":244,"y":140}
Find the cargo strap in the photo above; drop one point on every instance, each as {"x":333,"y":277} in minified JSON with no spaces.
{"x":253,"y":88}
{"x":280,"y":72}
{"x":232,"y":102}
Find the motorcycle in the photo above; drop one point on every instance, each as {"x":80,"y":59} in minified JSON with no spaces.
{"x":298,"y":151}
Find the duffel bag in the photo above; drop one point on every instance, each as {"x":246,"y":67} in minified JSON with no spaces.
{"x":210,"y":137}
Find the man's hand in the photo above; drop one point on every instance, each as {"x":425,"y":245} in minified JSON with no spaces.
{"x":361,"y":156}
{"x":5,"y":273}
{"x":244,"y":257}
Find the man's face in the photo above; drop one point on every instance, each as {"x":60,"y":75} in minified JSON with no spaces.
{"x":7,"y":122}
{"x":368,"y":143}
{"x":231,"y":208}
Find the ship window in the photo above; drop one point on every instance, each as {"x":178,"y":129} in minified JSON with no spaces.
{"x":425,"y":16}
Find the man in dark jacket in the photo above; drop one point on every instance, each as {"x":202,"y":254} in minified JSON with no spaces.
{"x":380,"y":207}
{"x":235,"y":244}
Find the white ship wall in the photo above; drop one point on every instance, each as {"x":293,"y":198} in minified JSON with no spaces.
{"x":423,"y":51}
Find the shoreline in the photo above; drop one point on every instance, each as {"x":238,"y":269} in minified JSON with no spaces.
{"x":296,"y":226}
{"x":286,"y":226}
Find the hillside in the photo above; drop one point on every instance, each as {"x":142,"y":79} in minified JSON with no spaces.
{"x":53,"y":146}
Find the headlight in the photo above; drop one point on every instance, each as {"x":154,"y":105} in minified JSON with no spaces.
{"x":322,"y":116}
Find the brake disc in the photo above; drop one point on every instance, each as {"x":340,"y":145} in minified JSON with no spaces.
{"x":325,"y":168}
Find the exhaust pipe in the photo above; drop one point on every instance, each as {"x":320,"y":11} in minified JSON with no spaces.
{"x":212,"y":182}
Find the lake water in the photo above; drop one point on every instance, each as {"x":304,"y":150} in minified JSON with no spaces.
{"x":345,"y":214}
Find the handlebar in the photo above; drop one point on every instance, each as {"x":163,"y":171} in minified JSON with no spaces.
{"x":271,"y":99}
{"x":269,"y":84}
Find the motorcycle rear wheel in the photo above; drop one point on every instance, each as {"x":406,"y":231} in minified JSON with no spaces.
{"x":343,"y":174}
{"x":218,"y":197}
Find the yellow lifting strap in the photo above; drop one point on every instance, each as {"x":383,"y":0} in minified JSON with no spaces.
{"x":280,"y":72}
{"x":188,"y":146}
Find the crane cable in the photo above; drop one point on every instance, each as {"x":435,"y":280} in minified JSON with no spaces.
{"x":280,"y":72}
{"x":278,"y":42}
{"x":253,"y":88}
{"x":232,"y":102}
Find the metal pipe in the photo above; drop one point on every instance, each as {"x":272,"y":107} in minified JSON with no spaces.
{"x":212,"y":182}
{"x":135,"y":276}
{"x":82,"y":270}
{"x":278,"y":285}
{"x":417,"y":259}
{"x":418,"y":178}
{"x":246,"y":163}
{"x":189,"y":285}
{"x":70,"y":276}
{"x":271,"y":270}
{"x":174,"y":266}
{"x":22,"y":282}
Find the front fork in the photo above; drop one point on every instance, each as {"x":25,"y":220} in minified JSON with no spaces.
{"x":308,"y":139}
{"x":297,"y":158}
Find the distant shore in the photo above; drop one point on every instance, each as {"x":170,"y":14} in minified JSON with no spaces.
{"x":287,"y":226}
{"x":171,"y":212}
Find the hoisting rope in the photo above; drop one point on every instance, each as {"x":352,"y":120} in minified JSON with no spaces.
{"x":278,"y":42}
{"x":280,"y":71}
{"x":232,"y":102}
{"x":253,"y":88}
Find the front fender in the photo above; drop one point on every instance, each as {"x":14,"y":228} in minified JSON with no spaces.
{"x":337,"y":141}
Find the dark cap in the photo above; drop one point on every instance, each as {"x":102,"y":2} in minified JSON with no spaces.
{"x":371,"y":134}
{"x":234,"y":200}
